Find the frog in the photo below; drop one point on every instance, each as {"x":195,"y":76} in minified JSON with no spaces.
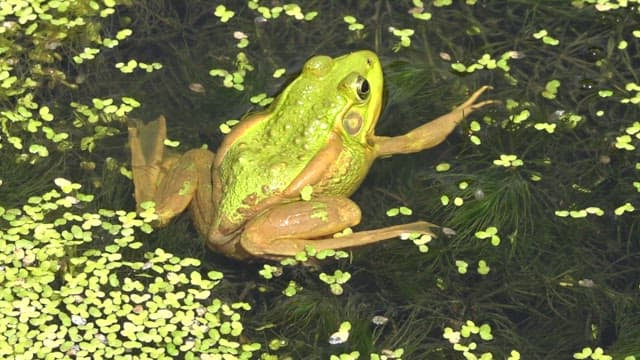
{"x":281,"y":180}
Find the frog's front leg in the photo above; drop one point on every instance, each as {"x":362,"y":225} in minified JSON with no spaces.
{"x":432,"y":133}
{"x":172,"y":182}
{"x":286,"y":229}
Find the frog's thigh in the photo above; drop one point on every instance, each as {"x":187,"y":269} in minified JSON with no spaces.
{"x":178,"y":186}
{"x":286,"y":229}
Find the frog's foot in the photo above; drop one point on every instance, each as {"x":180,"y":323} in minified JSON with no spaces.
{"x":288,"y":229}
{"x":169,"y":181}
{"x":147,"y":148}
{"x":465,"y":109}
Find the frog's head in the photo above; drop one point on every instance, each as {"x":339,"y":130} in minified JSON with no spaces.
{"x":352,"y":91}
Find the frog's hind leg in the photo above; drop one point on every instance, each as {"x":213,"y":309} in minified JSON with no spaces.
{"x":287,"y":229}
{"x":168,"y":180}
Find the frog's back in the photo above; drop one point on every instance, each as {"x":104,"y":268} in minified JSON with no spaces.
{"x":271,"y":155}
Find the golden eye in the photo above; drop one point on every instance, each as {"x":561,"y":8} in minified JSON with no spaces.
{"x":362,"y":88}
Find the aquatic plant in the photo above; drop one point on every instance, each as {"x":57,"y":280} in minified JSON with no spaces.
{"x":66,"y":292}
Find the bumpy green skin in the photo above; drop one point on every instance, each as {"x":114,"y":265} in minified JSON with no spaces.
{"x":270,"y":155}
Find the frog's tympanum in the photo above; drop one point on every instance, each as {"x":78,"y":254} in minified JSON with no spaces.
{"x":318,"y":134}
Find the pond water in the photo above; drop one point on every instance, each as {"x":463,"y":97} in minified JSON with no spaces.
{"x":537,"y":195}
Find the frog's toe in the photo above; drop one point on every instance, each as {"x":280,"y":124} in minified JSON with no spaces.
{"x":419,"y":227}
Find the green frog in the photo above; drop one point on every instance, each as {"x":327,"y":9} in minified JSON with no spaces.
{"x":318,"y":136}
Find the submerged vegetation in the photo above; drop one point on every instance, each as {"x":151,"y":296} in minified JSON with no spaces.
{"x":538,"y":197}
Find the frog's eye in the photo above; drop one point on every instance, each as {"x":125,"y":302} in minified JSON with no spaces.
{"x":362,"y":88}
